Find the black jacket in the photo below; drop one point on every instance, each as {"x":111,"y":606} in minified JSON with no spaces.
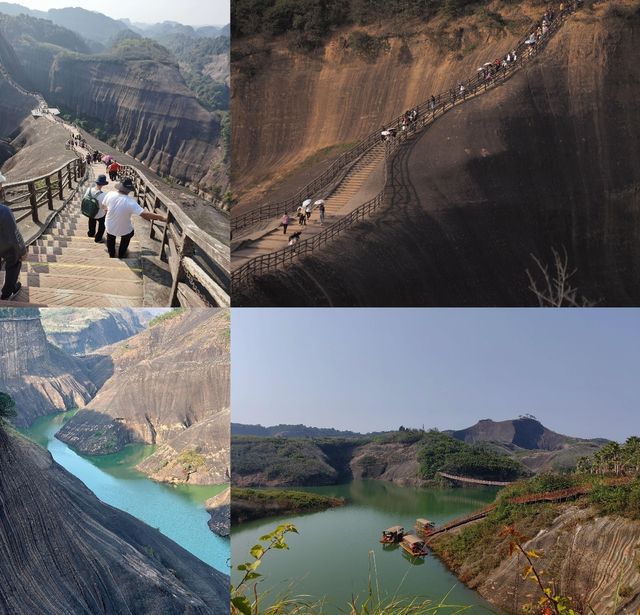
{"x":11,"y":243}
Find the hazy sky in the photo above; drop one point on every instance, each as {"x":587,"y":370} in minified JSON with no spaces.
{"x":190,"y":12}
{"x":576,"y":370}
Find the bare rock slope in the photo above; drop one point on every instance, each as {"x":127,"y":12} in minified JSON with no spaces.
{"x":64,"y":552}
{"x":167,"y":386}
{"x":41,"y":378}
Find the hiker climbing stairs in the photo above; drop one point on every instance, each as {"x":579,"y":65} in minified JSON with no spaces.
{"x":337,"y":204}
{"x":65,"y":267}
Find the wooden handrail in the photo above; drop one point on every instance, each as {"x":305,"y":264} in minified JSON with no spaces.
{"x":428,"y":112}
{"x":196,"y":259}
{"x":39,"y":189}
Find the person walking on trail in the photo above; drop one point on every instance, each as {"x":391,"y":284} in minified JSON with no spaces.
{"x":284,"y":222}
{"x":302,"y":216}
{"x":308,"y":208}
{"x":12,"y":248}
{"x":320,"y":207}
{"x":120,"y":207}
{"x":114,"y":169}
{"x":98,"y":219}
{"x":88,"y":158}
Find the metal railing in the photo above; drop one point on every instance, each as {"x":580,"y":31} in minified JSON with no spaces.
{"x":442,"y":100}
{"x":199,"y":264}
{"x":428,"y":112}
{"x":30,"y":194}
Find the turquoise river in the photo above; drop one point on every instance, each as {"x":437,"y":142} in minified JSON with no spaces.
{"x":177,"y":511}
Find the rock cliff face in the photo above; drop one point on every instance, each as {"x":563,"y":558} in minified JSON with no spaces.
{"x":147,"y":107}
{"x":80,"y":331}
{"x":547,"y":161}
{"x":168,"y":386}
{"x":593,"y":560}
{"x":198,"y":455}
{"x":288,"y":107}
{"x":41,"y":378}
{"x":63,"y":551}
{"x":133,"y":94}
{"x":14,"y":104}
{"x":219,"y":507}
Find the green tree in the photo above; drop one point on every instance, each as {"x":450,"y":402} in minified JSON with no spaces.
{"x":7,"y":407}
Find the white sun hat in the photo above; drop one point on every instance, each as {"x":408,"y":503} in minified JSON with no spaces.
{"x":2,"y":178}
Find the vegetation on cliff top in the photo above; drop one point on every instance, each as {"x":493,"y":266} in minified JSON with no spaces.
{"x":315,"y":18}
{"x":248,"y":504}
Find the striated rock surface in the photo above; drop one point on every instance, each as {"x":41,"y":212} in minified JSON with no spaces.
{"x":219,"y":507}
{"x":133,"y":94}
{"x":550,"y":160}
{"x":198,"y":455}
{"x":63,"y":551}
{"x":41,"y":378}
{"x":80,"y":331}
{"x":159,"y":385}
{"x":593,"y":559}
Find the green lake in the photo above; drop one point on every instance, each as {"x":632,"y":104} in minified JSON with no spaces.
{"x":335,"y":549}
{"x":177,"y":511}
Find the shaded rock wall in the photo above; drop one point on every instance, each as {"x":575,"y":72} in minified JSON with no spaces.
{"x":63,"y":551}
{"x":550,"y":160}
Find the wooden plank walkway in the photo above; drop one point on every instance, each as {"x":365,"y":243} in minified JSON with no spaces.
{"x":339,"y":203}
{"x":65,"y":267}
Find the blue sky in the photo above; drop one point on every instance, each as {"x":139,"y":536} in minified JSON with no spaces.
{"x":370,"y":369}
{"x":190,"y":12}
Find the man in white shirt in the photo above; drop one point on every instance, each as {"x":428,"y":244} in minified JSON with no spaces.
{"x":98,"y":219}
{"x":120,"y":207}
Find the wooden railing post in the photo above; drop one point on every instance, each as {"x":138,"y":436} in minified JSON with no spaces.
{"x":33,"y":199}
{"x":69,"y":179}
{"x":60,"y":186}
{"x":49,"y":195}
{"x":165,"y":238}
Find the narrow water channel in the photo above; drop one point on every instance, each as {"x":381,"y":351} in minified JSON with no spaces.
{"x":338,"y":550}
{"x":177,"y":511}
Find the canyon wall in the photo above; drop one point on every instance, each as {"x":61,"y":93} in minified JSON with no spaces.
{"x":64,"y":551}
{"x":80,"y":331}
{"x":41,"y":378}
{"x":289,"y":106}
{"x":548,"y":161}
{"x":592,"y":559}
{"x":168,"y":386}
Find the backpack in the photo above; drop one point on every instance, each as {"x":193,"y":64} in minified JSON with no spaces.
{"x":90,"y":206}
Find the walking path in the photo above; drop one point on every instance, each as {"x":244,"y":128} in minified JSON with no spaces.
{"x":257,"y":250}
{"x":340,"y":202}
{"x":65,"y":267}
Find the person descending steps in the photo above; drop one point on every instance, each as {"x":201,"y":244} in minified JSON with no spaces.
{"x":92,"y":208}
{"x":120,"y":207}
{"x":12,"y":248}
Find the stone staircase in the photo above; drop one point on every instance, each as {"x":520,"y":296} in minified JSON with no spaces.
{"x":65,"y":267}
{"x":336,"y":205}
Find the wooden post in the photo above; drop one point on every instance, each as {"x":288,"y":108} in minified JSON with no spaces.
{"x":49,"y":195}
{"x":156,"y":202}
{"x":187,"y":250}
{"x":69,"y":175}
{"x":165,"y":238}
{"x":60,"y":186}
{"x":34,"y":201}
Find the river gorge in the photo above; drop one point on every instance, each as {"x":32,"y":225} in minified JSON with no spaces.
{"x":177,"y":511}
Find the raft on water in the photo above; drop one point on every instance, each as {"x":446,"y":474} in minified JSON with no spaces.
{"x":392,"y":535}
{"x":424,"y":525}
{"x":414,"y":546}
